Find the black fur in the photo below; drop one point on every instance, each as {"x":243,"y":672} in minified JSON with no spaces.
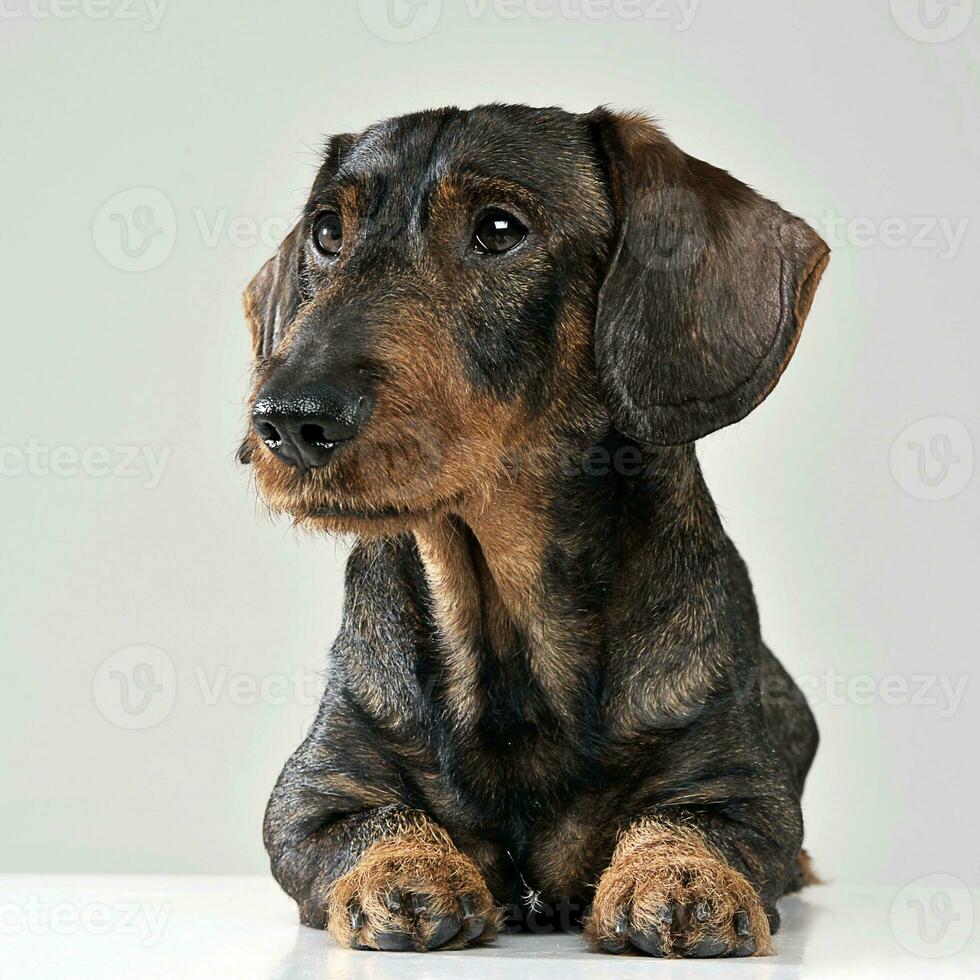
{"x":636,"y":683}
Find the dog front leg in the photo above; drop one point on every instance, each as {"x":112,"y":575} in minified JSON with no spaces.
{"x":387,"y":878}
{"x":694,"y":883}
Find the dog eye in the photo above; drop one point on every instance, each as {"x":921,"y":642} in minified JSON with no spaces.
{"x":328,"y":233}
{"x":498,"y":232}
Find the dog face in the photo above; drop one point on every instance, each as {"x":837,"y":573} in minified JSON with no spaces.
{"x":463,"y":284}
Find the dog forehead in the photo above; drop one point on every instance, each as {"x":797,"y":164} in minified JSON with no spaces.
{"x":544,"y":150}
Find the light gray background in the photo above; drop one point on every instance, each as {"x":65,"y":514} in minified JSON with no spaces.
{"x":852,"y":115}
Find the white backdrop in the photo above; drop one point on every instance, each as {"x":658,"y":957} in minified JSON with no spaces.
{"x":162,"y":639}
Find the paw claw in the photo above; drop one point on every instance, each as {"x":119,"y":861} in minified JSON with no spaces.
{"x":619,"y":939}
{"x":741,"y":923}
{"x":773,"y":918}
{"x":612,"y":945}
{"x":745,"y":949}
{"x":649,"y":943}
{"x":707,"y":947}
{"x":393,"y":941}
{"x":473,"y":927}
{"x":447,"y":928}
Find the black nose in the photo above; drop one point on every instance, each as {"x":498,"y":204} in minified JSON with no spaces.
{"x":303,"y":427}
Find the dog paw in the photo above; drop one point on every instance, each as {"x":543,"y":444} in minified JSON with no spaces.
{"x":671,"y":895}
{"x":409,"y":893}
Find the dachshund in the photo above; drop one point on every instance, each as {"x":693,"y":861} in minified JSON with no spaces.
{"x":484,"y":352}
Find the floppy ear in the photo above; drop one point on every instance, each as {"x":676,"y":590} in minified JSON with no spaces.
{"x":273,"y":296}
{"x":706,"y":291}
{"x":270,"y":301}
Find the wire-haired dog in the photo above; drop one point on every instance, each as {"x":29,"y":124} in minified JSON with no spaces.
{"x":486,"y":350}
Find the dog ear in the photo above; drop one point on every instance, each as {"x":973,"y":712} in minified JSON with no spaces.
{"x":270,"y":301}
{"x":273,"y":296}
{"x":706,"y":291}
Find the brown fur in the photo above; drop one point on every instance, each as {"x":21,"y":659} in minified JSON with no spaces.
{"x":429,"y":878}
{"x":657,"y":867}
{"x":807,"y":871}
{"x":434,"y":443}
{"x":535,"y":659}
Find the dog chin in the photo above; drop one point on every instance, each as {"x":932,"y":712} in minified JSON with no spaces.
{"x":370,"y":518}
{"x":367,"y":522}
{"x":319,"y":500}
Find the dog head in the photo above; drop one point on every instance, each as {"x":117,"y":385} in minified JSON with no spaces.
{"x":463,"y":283}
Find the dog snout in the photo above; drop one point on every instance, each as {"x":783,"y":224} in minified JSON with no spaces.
{"x":304,"y":427}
